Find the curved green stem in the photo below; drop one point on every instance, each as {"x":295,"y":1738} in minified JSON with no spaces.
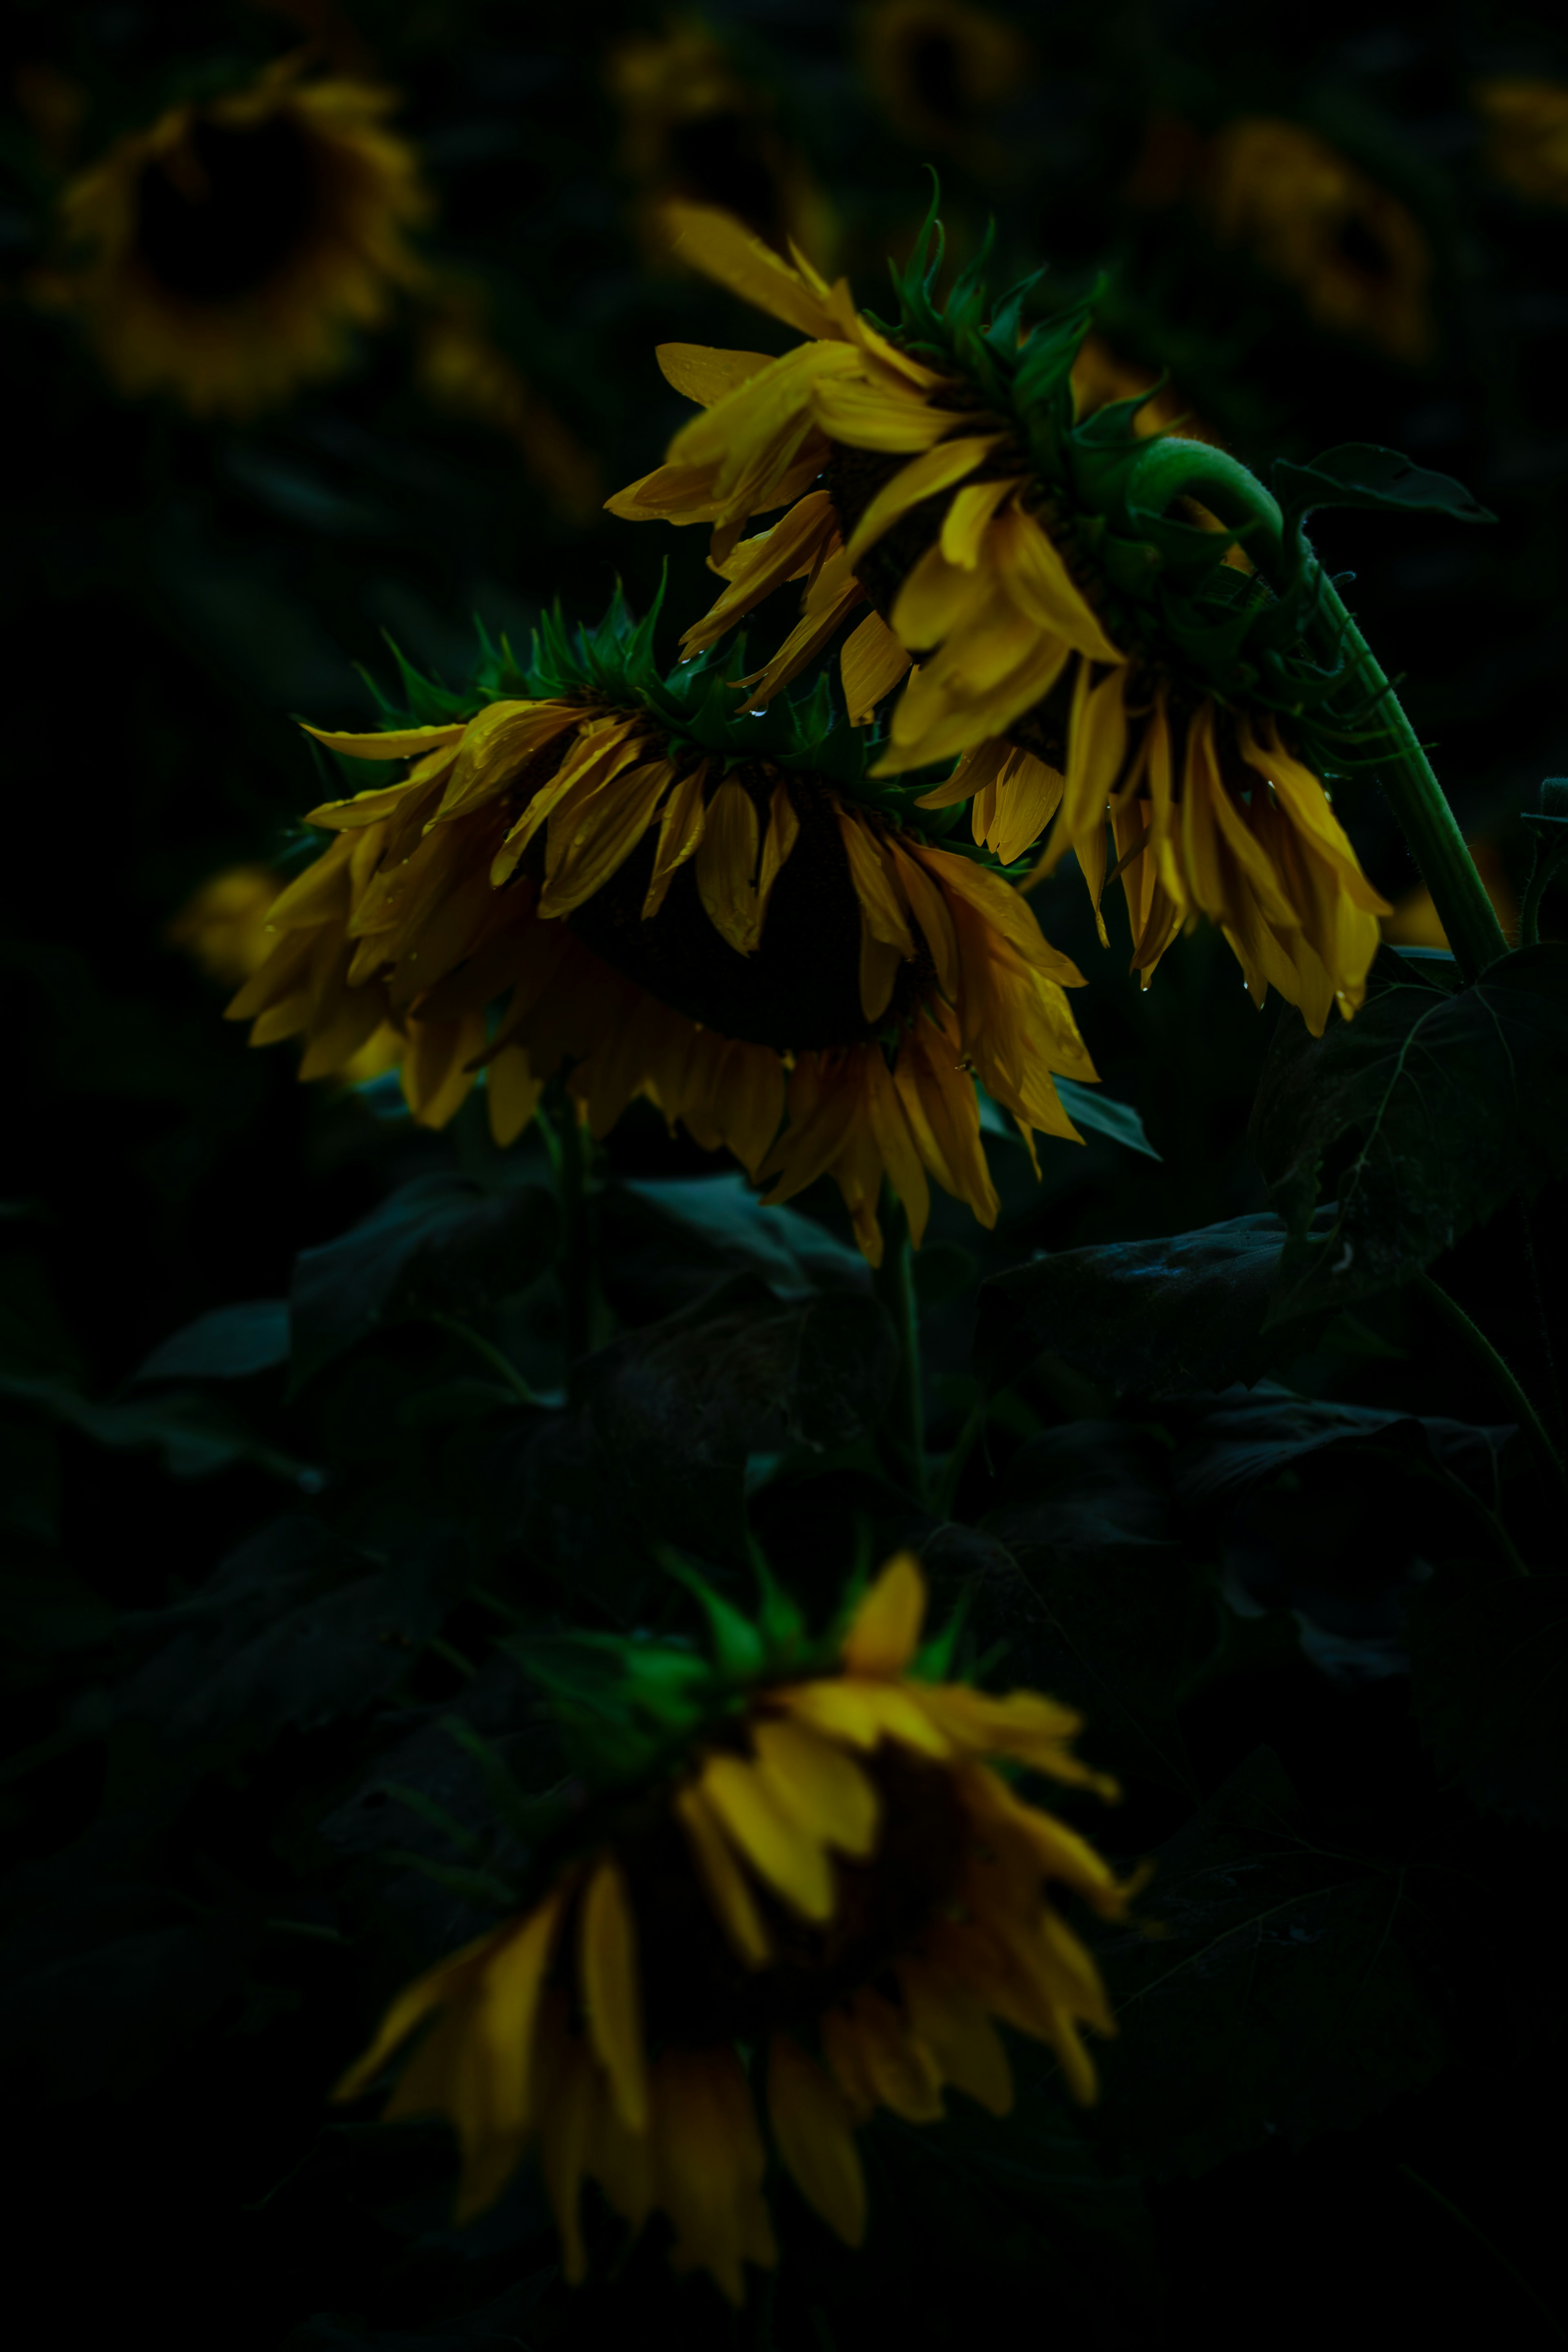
{"x":893,"y":1282}
{"x":1532,"y":1427}
{"x":1171,"y":467}
{"x":498,"y":1361}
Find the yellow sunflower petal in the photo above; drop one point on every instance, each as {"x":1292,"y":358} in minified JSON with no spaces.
{"x":717,"y":244}
{"x":897,"y":2066}
{"x":567,"y":2117}
{"x":935,"y":470}
{"x":507,"y":2011}
{"x":816,"y":2139}
{"x":704,"y":375}
{"x":395,"y":743}
{"x":607,"y":1964}
{"x":722,"y":1879}
{"x":432,"y":1991}
{"x":772,"y":1841}
{"x":727,"y":861}
{"x":865,"y":1713}
{"x":870,"y":665}
{"x":813,"y":1781}
{"x":885,"y":1631}
{"x":954,"y":2027}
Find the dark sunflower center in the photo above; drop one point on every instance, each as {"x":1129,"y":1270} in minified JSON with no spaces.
{"x":722,"y":159}
{"x":1357,"y":244}
{"x":695,"y":1991}
{"x":231,"y":219}
{"x":936,"y":79}
{"x":801,"y":989}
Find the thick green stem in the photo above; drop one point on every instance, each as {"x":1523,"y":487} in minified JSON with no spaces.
{"x":1170,"y":468}
{"x":1532,"y":1427}
{"x":894,"y":1284}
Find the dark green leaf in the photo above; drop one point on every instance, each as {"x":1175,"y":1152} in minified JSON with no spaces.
{"x":439,"y":1245}
{"x":1433,"y":1109}
{"x":718,"y":1222}
{"x":1362,"y":473}
{"x":229,"y":1344}
{"x":297,"y":1628}
{"x":1102,"y":1608}
{"x":1491,"y":1687}
{"x":1087,"y":1106}
{"x":1158,"y":1318}
{"x":194,"y":1436}
{"x":1276,"y":2002}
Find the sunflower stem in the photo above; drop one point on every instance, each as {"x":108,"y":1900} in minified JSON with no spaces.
{"x":893,"y":1283}
{"x":1532,"y":1427}
{"x":1170,"y":468}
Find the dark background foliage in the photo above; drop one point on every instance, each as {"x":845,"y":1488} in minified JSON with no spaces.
{"x":240,"y":1596}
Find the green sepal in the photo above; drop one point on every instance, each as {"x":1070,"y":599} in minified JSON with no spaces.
{"x":740,"y":1647}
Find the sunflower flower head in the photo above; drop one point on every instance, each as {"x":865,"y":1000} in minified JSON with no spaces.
{"x":592,"y":870}
{"x":224,"y":253}
{"x":800,"y":1885}
{"x":1086,"y":661}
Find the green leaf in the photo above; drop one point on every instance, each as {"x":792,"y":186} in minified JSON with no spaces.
{"x":1088,"y":1107}
{"x":228,"y":1344}
{"x":439,"y":1245}
{"x":1102,"y":1608}
{"x":1435,"y":1109}
{"x":1363,"y":474}
{"x":717,"y":1224}
{"x":193,"y":1437}
{"x":1157,"y":1317}
{"x":1491,"y":1687}
{"x":1276,"y":2001}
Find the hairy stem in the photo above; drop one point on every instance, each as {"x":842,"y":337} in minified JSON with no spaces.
{"x":1171,"y":467}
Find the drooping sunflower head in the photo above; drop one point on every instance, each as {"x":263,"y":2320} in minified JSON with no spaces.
{"x":801,"y":1880}
{"x":592,"y":870}
{"x":224,"y":253}
{"x":1087,"y":658}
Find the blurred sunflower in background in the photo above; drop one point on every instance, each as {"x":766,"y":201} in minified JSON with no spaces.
{"x":1527,"y":143}
{"x":941,"y":71}
{"x":223,"y":253}
{"x":715,"y":913}
{"x":1085,"y":660}
{"x":696,"y":128}
{"x":813,"y":1892}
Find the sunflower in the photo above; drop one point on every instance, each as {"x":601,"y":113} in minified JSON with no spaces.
{"x":1354,"y":251}
{"x":817,"y":1895}
{"x":1079,"y":656}
{"x":1528,"y":142}
{"x":941,"y":70}
{"x":228,"y":249}
{"x":716,"y":913}
{"x":695,"y":128}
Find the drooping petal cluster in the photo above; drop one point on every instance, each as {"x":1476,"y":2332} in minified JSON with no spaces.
{"x":903,"y":487}
{"x":771,"y":964}
{"x":634,"y":2049}
{"x":224,"y":253}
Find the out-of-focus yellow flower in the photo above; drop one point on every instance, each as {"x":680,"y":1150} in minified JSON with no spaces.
{"x":460,"y":369}
{"x":1412,"y":922}
{"x":788,"y":973}
{"x":906,"y":489}
{"x":941,"y":70}
{"x":825,"y":1908}
{"x":222,"y":926}
{"x":695,"y":130}
{"x":223,"y":253}
{"x":1528,"y":142}
{"x":1352,"y":250}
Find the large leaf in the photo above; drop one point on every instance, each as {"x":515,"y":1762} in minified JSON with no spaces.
{"x":1275,"y":2003}
{"x":1491,"y":1687}
{"x":1102,"y":1608}
{"x":1363,"y":474}
{"x":1157,"y":1317}
{"x":228,"y":1344}
{"x":1433,"y":1109}
{"x":194,"y":1435}
{"x":678,"y":1406}
{"x":296,"y":1629}
{"x":439,"y":1245}
{"x":1335,"y":1513}
{"x":665,"y":1236}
